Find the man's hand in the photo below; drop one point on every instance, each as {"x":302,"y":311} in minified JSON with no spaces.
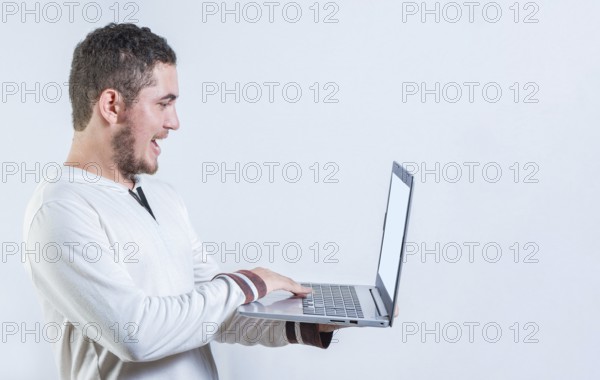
{"x":331,"y":328}
{"x":275,"y":281}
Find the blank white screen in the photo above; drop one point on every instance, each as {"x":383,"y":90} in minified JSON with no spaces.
{"x":393,"y":234}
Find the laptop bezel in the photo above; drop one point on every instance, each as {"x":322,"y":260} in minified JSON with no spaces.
{"x":407,"y":179}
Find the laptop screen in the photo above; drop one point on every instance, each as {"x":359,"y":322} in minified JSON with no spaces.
{"x":395,"y":224}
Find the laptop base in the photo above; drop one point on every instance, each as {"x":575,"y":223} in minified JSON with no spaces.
{"x":282,"y":305}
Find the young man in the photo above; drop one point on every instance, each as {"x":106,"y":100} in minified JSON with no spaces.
{"x":130,"y":292}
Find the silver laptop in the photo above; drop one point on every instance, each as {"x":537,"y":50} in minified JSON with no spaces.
{"x":360,"y":305}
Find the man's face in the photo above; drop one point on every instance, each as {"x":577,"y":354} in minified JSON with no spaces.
{"x":148,"y":120}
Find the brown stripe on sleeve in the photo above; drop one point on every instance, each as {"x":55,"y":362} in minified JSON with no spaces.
{"x":248,"y":294}
{"x":290,"y":332}
{"x":258,"y":282}
{"x":311,"y":336}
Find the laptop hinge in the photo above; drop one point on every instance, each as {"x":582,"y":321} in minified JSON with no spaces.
{"x":378,"y":302}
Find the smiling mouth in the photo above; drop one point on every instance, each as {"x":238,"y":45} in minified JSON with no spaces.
{"x":155,"y":146}
{"x":154,"y":142}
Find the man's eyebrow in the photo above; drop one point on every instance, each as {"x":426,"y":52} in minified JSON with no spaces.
{"x":169,"y":97}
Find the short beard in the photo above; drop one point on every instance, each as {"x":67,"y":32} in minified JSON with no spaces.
{"x":123,"y":145}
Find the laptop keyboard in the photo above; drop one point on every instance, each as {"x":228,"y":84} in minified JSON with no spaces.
{"x":332,"y":300}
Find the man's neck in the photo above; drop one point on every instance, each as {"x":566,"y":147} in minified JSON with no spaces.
{"x":86,"y":153}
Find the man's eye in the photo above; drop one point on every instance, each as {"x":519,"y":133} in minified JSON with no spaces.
{"x":163,"y":105}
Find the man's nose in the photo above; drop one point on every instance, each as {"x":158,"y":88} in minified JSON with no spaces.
{"x":172,"y":121}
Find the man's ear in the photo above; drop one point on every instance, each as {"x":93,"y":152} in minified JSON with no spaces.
{"x":111,"y":106}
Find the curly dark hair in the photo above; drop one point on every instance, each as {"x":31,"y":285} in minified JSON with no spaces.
{"x":117,"y":56}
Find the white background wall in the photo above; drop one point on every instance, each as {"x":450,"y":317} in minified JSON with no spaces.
{"x":545,"y":304}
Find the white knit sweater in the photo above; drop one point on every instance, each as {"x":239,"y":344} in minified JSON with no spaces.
{"x":130,"y":297}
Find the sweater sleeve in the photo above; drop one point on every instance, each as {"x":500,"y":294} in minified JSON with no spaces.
{"x":93,"y":289}
{"x":270,"y":333}
{"x":238,"y":328}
